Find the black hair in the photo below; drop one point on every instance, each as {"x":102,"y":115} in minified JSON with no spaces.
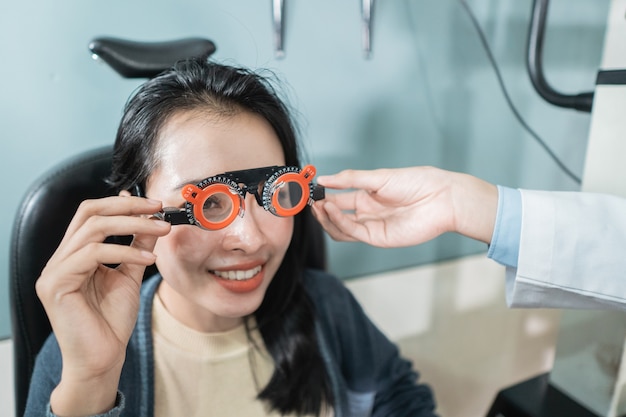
{"x":300,"y":383}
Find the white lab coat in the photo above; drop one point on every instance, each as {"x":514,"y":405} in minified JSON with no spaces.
{"x":572,"y":252}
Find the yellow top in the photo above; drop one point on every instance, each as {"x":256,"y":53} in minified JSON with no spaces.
{"x":206,"y":374}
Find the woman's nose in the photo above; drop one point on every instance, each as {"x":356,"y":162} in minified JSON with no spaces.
{"x":246,"y":233}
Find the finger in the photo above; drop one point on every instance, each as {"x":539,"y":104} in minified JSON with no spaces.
{"x":93,"y":255}
{"x":370,"y":180}
{"x":322,"y":217}
{"x":344,"y":200}
{"x":348,"y":227}
{"x":111,"y":206}
{"x":319,"y":210}
{"x":361,"y":203}
{"x":145,"y":244}
{"x":69,"y":275}
{"x":97,"y":228}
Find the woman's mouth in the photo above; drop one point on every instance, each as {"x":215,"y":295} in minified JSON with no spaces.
{"x":238,"y":275}
{"x":240,"y":280}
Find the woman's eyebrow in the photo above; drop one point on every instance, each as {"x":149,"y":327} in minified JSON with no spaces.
{"x":184,"y":183}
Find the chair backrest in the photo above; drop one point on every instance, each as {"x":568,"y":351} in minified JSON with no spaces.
{"x":40,"y":223}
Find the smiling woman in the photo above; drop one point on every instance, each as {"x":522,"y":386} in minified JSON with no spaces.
{"x":233,"y":323}
{"x":197,"y":264}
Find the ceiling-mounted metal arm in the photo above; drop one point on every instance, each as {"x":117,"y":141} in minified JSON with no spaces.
{"x":366,"y":21}
{"x":582,"y":101}
{"x":278,"y":10}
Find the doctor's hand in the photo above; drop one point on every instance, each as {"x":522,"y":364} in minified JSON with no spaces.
{"x":93,"y":307}
{"x":406,"y":206}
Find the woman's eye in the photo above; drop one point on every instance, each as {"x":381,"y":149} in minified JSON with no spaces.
{"x":284,"y":196}
{"x":289,"y":194}
{"x":213,"y":203}
{"x":217,"y":207}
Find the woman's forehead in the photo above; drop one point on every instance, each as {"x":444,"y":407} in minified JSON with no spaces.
{"x":192,"y":145}
{"x":203,"y":129}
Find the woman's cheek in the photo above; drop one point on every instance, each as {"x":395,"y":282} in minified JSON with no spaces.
{"x":184,"y":242}
{"x":282,"y":232}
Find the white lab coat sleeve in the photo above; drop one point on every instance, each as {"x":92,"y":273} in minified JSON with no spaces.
{"x":572,"y":252}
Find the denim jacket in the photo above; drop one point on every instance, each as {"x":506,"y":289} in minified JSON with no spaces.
{"x":368,"y":376}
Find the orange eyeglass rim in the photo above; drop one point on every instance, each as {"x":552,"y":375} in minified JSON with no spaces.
{"x":303,"y":179}
{"x":197,"y":196}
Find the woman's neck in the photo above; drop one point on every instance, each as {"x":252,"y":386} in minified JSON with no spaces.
{"x":193,"y":315}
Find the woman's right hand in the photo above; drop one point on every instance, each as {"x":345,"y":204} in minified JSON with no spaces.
{"x":92,"y":307}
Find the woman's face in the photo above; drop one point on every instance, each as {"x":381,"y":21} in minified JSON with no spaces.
{"x":196,"y":263}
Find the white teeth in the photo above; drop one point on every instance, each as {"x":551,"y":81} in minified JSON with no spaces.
{"x":238,"y":275}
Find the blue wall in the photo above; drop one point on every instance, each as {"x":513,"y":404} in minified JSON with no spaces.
{"x":428,"y":95}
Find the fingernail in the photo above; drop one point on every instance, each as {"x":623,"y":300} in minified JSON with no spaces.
{"x":148,"y":255}
{"x":162,"y":224}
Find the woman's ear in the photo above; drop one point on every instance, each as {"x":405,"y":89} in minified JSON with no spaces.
{"x":124,"y":193}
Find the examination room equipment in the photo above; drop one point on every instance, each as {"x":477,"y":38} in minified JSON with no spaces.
{"x":580,"y":384}
{"x":50,"y":203}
